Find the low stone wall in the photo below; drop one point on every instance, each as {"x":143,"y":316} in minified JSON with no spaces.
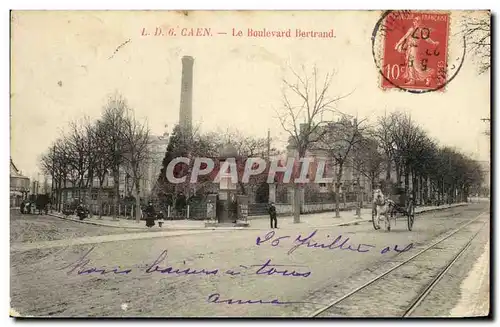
{"x":261,"y":209}
{"x":314,"y":207}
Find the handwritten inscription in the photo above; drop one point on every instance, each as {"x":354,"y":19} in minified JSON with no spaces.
{"x":83,"y":266}
{"x":171,"y":270}
{"x":215,"y":298}
{"x":339,"y":243}
{"x":84,"y":270}
{"x":268,"y":268}
{"x":273,"y":271}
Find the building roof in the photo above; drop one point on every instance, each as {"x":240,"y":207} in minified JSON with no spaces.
{"x":18,"y":182}
{"x":14,"y":172}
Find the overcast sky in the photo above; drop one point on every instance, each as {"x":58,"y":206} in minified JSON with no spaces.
{"x":64,"y":64}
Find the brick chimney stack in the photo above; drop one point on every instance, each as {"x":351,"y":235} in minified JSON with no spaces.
{"x":186,"y":108}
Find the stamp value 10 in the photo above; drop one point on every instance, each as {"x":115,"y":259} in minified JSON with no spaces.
{"x":415,"y":52}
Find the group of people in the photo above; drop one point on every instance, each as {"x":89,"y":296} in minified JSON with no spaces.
{"x":40,"y":202}
{"x":81,"y":211}
{"x":28,"y":207}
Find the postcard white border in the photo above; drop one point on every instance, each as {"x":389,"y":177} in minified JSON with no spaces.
{"x":185,"y":4}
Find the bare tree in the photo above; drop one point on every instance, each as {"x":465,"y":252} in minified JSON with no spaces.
{"x":77,"y":140}
{"x":305,"y":99}
{"x":395,"y":132}
{"x":90,"y":150}
{"x":422,"y":160}
{"x":48,"y":166}
{"x":383,"y":134}
{"x":415,"y":155}
{"x":368,"y":160}
{"x":136,"y":153}
{"x":406,"y":146}
{"x":113,"y":122}
{"x":102,"y":158}
{"x":340,"y":140}
{"x":246,"y":145}
{"x":409,"y":139}
{"x":455,"y":175}
{"x":56,"y":163}
{"x":63,"y":155}
{"x":476,"y":29}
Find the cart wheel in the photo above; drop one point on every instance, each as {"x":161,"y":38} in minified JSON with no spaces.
{"x":410,"y":215}
{"x":373,"y":220}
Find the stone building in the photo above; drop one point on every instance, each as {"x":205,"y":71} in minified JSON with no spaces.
{"x":322,"y":192}
{"x":19,"y":186}
{"x":153,"y":166}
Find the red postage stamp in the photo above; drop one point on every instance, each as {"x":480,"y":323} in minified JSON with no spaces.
{"x":415,"y":52}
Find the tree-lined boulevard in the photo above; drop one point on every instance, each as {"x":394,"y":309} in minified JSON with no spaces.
{"x":391,"y":151}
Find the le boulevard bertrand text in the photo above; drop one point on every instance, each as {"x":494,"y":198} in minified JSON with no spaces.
{"x":247,"y":32}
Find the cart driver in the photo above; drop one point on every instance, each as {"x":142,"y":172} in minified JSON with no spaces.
{"x":401,"y":196}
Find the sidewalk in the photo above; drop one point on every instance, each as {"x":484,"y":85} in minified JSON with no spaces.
{"x":316,"y":220}
{"x":327,"y":219}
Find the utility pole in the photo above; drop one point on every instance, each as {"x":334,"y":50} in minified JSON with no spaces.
{"x":487,"y":132}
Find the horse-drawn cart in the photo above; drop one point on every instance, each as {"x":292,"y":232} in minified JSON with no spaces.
{"x":397,"y":206}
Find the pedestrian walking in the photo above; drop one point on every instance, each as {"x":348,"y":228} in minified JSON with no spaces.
{"x":272,"y":215}
{"x":150,"y":215}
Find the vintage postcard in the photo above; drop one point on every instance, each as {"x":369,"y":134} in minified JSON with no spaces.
{"x":250,"y":163}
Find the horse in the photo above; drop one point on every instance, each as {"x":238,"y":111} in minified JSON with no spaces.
{"x":383,"y":207}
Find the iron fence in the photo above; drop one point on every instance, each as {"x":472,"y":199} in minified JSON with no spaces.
{"x":258,"y":209}
{"x":198,"y":211}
